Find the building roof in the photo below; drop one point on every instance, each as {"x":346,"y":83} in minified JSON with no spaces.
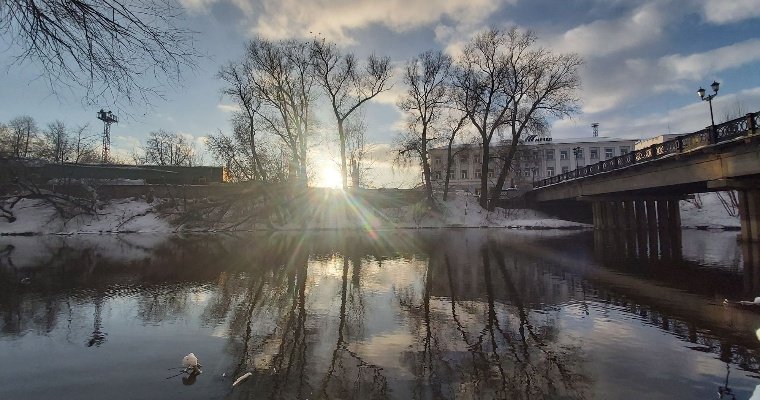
{"x":559,"y":141}
{"x":598,"y":139}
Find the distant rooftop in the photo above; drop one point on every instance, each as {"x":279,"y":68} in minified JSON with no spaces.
{"x":590,"y":139}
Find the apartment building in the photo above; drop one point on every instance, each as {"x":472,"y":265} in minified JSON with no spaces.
{"x":536,"y":158}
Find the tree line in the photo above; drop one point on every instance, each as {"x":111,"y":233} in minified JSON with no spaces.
{"x":502,"y":86}
{"x":22,"y":138}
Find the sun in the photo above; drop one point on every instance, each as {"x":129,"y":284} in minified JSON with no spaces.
{"x":329,"y":177}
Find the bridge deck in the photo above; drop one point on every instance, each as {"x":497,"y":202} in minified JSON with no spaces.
{"x":683,"y":165}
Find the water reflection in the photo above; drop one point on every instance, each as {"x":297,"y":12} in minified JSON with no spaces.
{"x":436,"y":314}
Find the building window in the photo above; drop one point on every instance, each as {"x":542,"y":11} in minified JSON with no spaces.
{"x":490,"y":173}
{"x":578,"y":154}
{"x":565,"y":170}
{"x":478,"y":174}
{"x":526,"y":173}
{"x":477,"y":192}
{"x":463,"y":159}
{"x":563,"y":154}
{"x":451,"y":175}
{"x":594,"y":153}
{"x":438,"y":161}
{"x":437,"y":175}
{"x":549,"y":171}
{"x":476,"y":158}
{"x":464,"y":174}
{"x":623,"y":150}
{"x":609,"y":152}
{"x":549,"y":154}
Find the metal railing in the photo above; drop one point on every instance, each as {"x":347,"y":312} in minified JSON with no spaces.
{"x":727,"y":131}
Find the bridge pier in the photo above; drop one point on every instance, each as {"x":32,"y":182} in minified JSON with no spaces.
{"x":749,"y":214}
{"x":652,"y":226}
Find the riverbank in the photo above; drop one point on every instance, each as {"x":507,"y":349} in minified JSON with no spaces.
{"x":332,"y":210}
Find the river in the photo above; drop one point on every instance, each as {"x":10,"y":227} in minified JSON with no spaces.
{"x":460,"y":313}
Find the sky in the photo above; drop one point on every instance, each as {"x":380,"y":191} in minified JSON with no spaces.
{"x":643,"y":63}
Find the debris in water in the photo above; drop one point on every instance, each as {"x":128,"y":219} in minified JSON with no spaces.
{"x":190,"y":362}
{"x":241,"y":379}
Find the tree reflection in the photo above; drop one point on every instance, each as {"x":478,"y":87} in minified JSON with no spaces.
{"x":475,"y":344}
{"x":320,"y":315}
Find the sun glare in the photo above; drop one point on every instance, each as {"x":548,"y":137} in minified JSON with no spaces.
{"x":329,"y":177}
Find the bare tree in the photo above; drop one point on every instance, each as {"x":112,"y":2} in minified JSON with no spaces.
{"x":6,"y":141}
{"x":347,"y":85}
{"x":23,"y":132}
{"x":734,"y":110}
{"x":506,"y":83}
{"x":56,"y":142}
{"x":82,"y":148}
{"x":280,"y":79}
{"x":427,"y":79}
{"x":240,"y":90}
{"x":455,"y":124}
{"x":235,"y":152}
{"x":107,"y":47}
{"x":358,"y":150}
{"x":169,"y":148}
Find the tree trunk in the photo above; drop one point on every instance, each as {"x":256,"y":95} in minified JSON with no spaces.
{"x":426,"y":166}
{"x":343,"y":167}
{"x":484,"y":162}
{"x":503,"y":173}
{"x":449,"y":160}
{"x":258,"y":171}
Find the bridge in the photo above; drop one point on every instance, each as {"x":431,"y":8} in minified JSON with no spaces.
{"x":640,"y":190}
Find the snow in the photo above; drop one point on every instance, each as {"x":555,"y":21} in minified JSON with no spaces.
{"x":462,"y":210}
{"x":333,"y":210}
{"x":35,"y":216}
{"x":710,"y":215}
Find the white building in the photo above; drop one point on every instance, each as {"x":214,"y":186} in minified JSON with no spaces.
{"x":644,"y":143}
{"x":537,"y":158}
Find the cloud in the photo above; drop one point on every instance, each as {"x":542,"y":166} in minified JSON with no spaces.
{"x":603,"y":37}
{"x":608,"y":85}
{"x":695,"y":66}
{"x":335,"y":19}
{"x":690,"y":118}
{"x":228,"y":108}
{"x":396,"y":87}
{"x":197,"y":6}
{"x":723,"y":12}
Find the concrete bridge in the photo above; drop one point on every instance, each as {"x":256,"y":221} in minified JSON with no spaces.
{"x":640,"y":190}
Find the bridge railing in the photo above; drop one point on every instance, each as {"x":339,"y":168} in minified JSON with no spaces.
{"x":727,"y":131}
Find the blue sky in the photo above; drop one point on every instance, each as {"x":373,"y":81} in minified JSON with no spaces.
{"x":644,"y":61}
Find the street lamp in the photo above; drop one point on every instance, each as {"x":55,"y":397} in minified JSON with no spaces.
{"x":701,"y":92}
{"x":577,"y":150}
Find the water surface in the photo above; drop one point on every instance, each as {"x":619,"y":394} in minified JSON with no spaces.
{"x":399,"y":314}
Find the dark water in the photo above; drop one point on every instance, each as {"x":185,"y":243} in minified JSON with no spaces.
{"x":436,"y":314}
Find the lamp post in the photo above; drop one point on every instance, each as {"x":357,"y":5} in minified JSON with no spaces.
{"x":576,"y":151}
{"x":701,"y":92}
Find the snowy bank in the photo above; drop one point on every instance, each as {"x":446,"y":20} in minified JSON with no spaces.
{"x":327,"y":211}
{"x":34,"y":216}
{"x":709,"y":211}
{"x":335,"y":210}
{"x":462,"y":210}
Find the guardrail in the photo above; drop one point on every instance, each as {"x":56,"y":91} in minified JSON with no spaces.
{"x":727,"y":131}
